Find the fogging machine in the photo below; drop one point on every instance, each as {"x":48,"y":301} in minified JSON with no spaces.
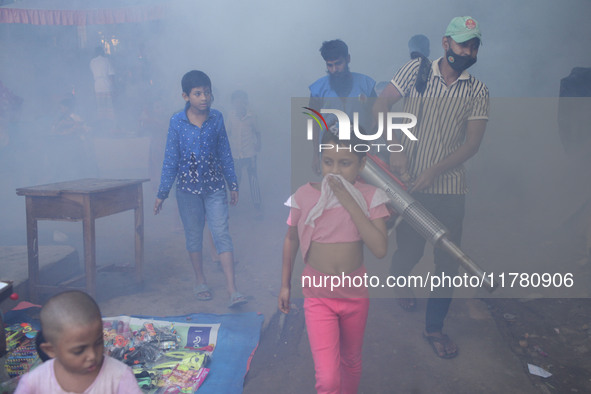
{"x":421,"y":220}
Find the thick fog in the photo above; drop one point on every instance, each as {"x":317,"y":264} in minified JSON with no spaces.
{"x":270,"y":50}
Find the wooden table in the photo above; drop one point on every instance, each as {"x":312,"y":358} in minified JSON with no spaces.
{"x":85,"y":200}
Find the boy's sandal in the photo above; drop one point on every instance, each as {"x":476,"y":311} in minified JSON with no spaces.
{"x":237,"y":299}
{"x":202,"y":292}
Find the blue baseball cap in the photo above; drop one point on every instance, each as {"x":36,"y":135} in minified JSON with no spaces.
{"x":419,"y":43}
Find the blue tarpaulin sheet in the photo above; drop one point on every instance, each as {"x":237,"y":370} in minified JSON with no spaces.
{"x":237,"y":340}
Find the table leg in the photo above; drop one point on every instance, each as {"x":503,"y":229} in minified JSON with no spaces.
{"x":89,"y":247}
{"x":139,"y":235}
{"x":32,"y":249}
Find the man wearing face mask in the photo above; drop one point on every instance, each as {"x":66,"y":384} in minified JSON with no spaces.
{"x":341,"y":89}
{"x":452,"y":111}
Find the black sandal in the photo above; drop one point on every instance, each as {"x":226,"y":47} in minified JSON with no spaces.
{"x":442,"y":341}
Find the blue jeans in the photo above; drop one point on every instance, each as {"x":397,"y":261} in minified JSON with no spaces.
{"x":194,"y":209}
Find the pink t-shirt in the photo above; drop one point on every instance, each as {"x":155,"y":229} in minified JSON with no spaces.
{"x":114,"y":377}
{"x":335,"y":224}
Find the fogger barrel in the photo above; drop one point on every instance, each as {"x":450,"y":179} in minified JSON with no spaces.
{"x":418,"y":217}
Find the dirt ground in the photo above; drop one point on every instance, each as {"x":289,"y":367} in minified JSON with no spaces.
{"x":554,"y":334}
{"x":497,"y":337}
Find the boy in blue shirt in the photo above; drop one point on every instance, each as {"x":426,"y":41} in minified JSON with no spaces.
{"x":198,"y":156}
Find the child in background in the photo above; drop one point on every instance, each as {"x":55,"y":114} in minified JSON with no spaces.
{"x":198,"y":156}
{"x":73,"y":330}
{"x":330,"y":222}
{"x":245,"y":141}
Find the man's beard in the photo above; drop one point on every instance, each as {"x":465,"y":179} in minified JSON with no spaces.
{"x":341,"y":82}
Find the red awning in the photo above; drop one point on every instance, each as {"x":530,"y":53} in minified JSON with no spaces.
{"x":81,"y":12}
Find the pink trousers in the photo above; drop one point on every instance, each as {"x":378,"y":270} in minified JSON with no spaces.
{"x":335,"y":330}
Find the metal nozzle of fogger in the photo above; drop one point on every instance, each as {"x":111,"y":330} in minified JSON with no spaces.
{"x":418,"y":217}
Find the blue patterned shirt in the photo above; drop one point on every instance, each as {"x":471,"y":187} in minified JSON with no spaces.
{"x":198,"y":157}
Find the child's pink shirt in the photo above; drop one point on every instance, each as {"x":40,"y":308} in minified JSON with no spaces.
{"x":113,"y":378}
{"x":335,"y":224}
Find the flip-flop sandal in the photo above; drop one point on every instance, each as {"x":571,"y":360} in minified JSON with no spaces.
{"x":441,"y":341}
{"x":237,"y":299}
{"x":202,"y":292}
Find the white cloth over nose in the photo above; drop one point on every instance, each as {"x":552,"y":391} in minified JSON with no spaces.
{"x":328,"y":199}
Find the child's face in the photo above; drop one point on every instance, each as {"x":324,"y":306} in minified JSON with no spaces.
{"x":79,"y":349}
{"x":199,"y":98}
{"x":344,"y":163}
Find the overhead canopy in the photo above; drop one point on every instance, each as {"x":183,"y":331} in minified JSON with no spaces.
{"x":81,"y":12}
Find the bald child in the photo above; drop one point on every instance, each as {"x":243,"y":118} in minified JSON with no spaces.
{"x":73,"y":330}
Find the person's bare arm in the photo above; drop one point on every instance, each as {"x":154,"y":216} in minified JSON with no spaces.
{"x":474,"y":133}
{"x":291,"y":243}
{"x":388,"y":97}
{"x":233,"y":197}
{"x":158,"y":205}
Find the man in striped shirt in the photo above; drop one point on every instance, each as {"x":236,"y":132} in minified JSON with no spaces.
{"x":452,"y":110}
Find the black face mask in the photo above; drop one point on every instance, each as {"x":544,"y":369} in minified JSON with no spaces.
{"x":458,"y":62}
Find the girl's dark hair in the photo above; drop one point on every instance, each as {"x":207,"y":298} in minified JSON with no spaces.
{"x":332,"y":138}
{"x":194,"y":79}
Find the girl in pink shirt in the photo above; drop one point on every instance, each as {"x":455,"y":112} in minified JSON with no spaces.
{"x":330,"y":222}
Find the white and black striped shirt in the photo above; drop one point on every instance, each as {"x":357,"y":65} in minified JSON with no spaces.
{"x":443,"y":113}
